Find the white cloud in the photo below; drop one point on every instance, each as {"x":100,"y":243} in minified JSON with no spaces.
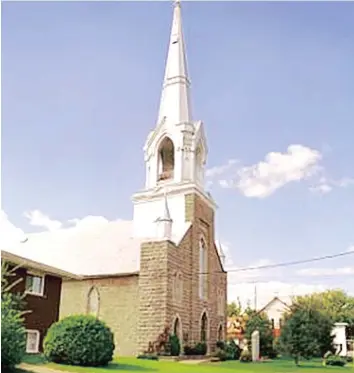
{"x":219,"y":170}
{"x":88,"y":222}
{"x":38,"y":219}
{"x":350,"y":249}
{"x":325,"y":185}
{"x":9,"y":234}
{"x":313,"y":272}
{"x":278,"y":169}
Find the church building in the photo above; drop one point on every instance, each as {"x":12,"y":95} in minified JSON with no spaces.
{"x":164,"y":267}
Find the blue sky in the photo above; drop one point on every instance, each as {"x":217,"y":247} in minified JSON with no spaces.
{"x":81,"y":85}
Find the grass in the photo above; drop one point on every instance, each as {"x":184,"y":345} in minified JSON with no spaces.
{"x":125,"y":364}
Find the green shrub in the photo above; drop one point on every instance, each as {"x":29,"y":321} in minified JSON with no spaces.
{"x":232,"y":350}
{"x":79,"y":340}
{"x":245,"y":356}
{"x":13,"y":333}
{"x":335,"y":360}
{"x":220,"y":344}
{"x":199,"y":349}
{"x":188,"y":350}
{"x":175,"y":346}
{"x":220,"y":354}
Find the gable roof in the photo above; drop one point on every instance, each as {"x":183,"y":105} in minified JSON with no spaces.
{"x":30,"y":264}
{"x":100,"y":249}
{"x":218,"y":254}
{"x":106,"y":248}
{"x":275,"y":299}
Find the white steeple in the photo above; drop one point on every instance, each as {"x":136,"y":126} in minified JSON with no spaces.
{"x":175,"y":151}
{"x":175,"y":101}
{"x":164,"y":223}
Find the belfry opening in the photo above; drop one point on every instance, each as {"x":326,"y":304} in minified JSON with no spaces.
{"x":166,"y":160}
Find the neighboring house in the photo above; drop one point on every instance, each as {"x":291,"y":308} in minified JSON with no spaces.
{"x":164,"y":267}
{"x":275,"y":311}
{"x":41,"y":285}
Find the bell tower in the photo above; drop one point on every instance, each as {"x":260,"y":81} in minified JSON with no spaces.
{"x":175,"y":152}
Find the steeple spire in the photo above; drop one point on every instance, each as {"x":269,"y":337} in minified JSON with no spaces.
{"x":166,"y":213}
{"x":164,"y":223}
{"x":175,"y":102}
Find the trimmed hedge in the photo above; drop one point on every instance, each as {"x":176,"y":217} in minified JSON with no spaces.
{"x":79,"y":340}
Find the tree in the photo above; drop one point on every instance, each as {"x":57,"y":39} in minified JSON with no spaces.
{"x":306,"y":333}
{"x":234,"y":309}
{"x":259,"y":321}
{"x":335,"y":304}
{"x":13,"y":333}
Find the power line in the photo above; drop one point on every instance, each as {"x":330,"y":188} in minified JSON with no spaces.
{"x":295,"y":262}
{"x":284,"y":264}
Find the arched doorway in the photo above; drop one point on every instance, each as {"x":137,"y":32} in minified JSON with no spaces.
{"x":204,"y":328}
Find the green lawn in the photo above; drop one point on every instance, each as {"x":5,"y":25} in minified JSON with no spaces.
{"x":125,"y":364}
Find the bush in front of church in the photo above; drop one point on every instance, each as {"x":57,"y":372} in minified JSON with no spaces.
{"x":79,"y":340}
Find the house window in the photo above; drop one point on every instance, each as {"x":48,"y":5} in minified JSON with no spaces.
{"x":203,"y":269}
{"x":34,"y":284}
{"x":272,"y":323}
{"x":32,"y":342}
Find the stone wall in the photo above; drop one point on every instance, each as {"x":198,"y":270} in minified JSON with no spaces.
{"x":202,"y":217}
{"x":153,"y":288}
{"x":118,"y":307}
{"x":160,"y":261}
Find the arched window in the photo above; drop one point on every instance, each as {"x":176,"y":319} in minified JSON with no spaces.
{"x":220,"y":333}
{"x":93,"y":302}
{"x":221,"y":303}
{"x":203,"y":327}
{"x":203,"y":269}
{"x":177,"y":287}
{"x":177,"y":328}
{"x":166,"y":159}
